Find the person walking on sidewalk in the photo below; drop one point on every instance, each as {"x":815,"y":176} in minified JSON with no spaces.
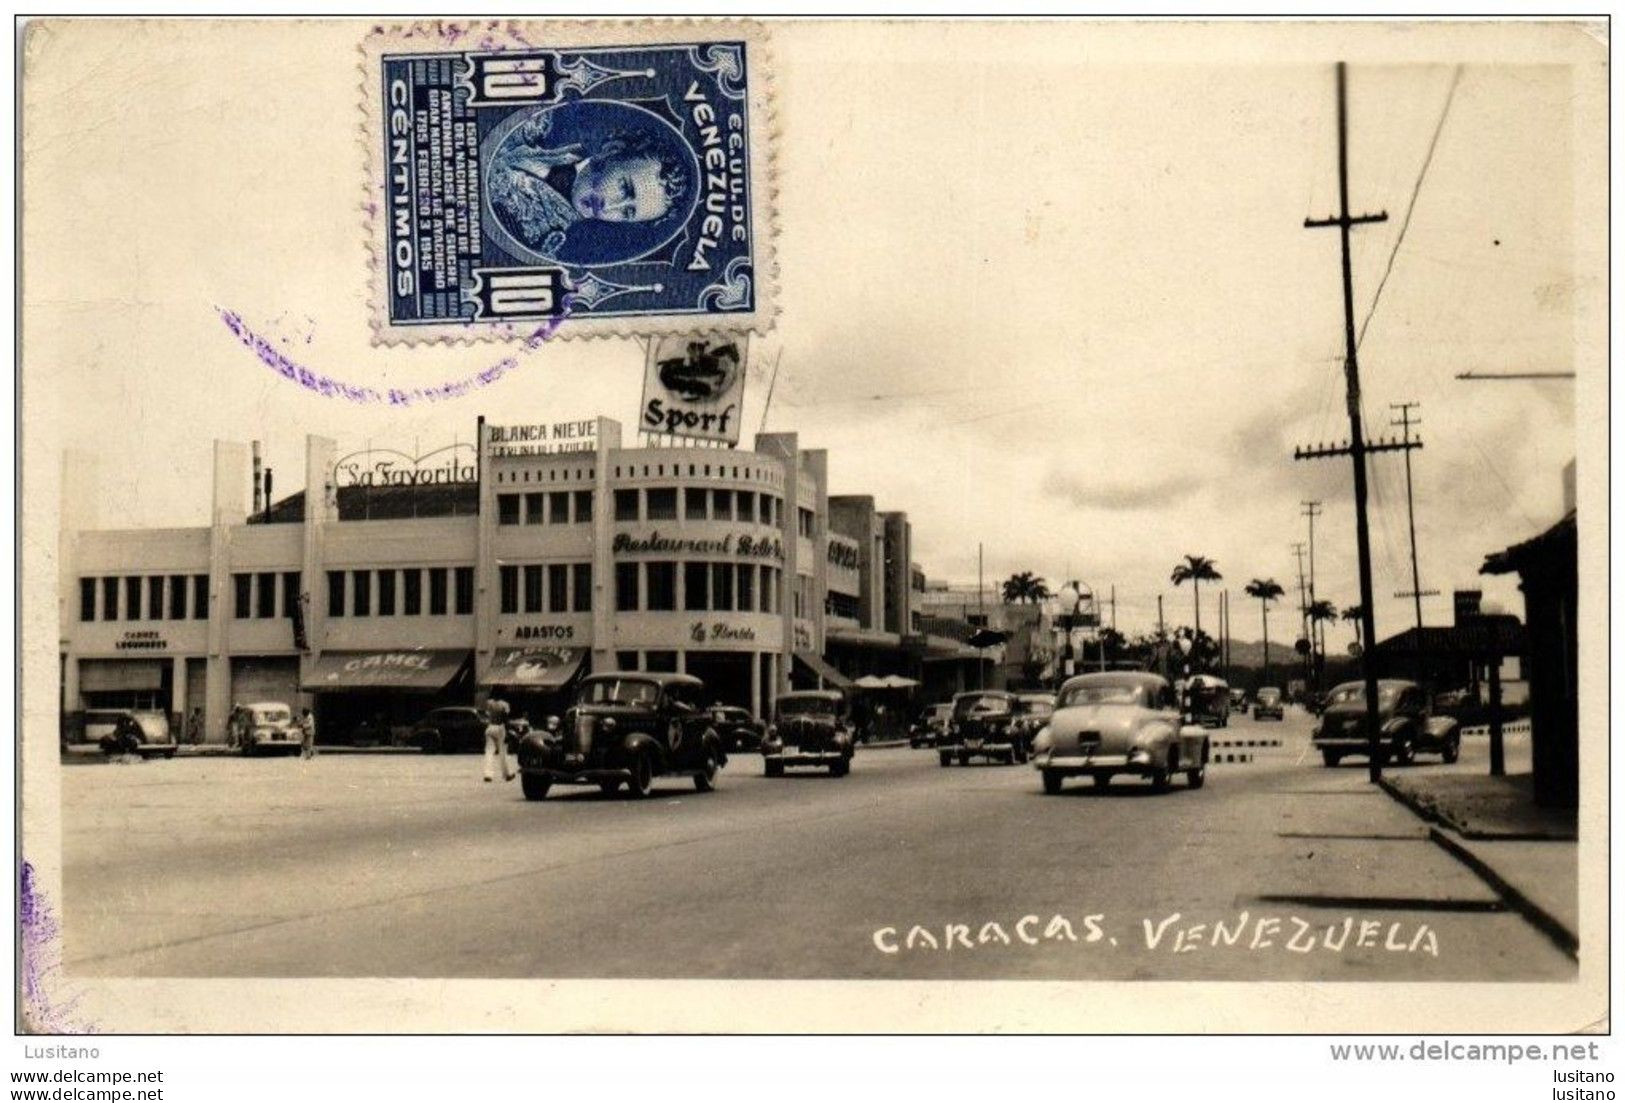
{"x":496,"y":739}
{"x":307,"y":734}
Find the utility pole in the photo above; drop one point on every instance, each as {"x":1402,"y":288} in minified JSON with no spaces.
{"x":1416,"y":593}
{"x":1303,"y":609}
{"x":1357,"y":445}
{"x":1317,"y":637}
{"x":1162,"y":640}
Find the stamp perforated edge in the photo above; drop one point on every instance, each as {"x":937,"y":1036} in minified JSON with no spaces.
{"x":447,"y":35}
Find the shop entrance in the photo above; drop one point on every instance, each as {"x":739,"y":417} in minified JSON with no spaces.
{"x":372,"y":698}
{"x":267,"y":679}
{"x":726,"y":675}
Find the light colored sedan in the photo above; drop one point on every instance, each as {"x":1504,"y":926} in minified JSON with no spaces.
{"x":1119,"y":722}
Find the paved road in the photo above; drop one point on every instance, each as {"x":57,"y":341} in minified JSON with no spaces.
{"x":408,"y":866}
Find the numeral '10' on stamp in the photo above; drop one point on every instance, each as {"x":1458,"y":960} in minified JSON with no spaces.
{"x":518,"y":181}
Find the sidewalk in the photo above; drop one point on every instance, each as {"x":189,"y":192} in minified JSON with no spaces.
{"x":91,"y":751}
{"x":1526,"y":853}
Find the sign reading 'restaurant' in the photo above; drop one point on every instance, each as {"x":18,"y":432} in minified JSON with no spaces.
{"x":694,"y":387}
{"x":745,"y":547}
{"x":543,"y":438}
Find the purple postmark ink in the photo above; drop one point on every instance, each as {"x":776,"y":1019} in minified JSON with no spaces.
{"x":45,"y":1011}
{"x":329,"y":387}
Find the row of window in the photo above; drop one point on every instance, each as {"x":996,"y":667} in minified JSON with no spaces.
{"x":659,"y":586}
{"x":553,"y":588}
{"x":659,"y":503}
{"x":400,"y":592}
{"x":553,"y":507}
{"x":145,"y":597}
{"x":723,"y":471}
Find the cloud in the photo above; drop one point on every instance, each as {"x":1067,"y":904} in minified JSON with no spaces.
{"x":1138,"y":494}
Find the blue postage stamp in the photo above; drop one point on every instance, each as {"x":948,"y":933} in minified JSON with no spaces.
{"x":520,"y":179}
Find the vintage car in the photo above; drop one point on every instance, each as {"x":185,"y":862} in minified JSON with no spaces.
{"x":984,"y":725}
{"x":264,"y":727}
{"x":143,"y":732}
{"x":1033,"y":711}
{"x":1238,"y":700}
{"x":1268,"y":705}
{"x":932,"y":725}
{"x":626,"y":727}
{"x":1119,"y":723}
{"x":1209,"y":702}
{"x":1405,"y":724}
{"x":449,"y":730}
{"x":737,"y":728}
{"x":809,"y":728}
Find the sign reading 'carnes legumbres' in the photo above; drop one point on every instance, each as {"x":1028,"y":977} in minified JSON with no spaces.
{"x":733,"y":544}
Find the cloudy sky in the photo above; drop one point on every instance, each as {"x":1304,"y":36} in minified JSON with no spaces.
{"x":1045,"y":288}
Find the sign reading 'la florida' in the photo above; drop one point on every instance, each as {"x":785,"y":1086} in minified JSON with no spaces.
{"x":732,"y":545}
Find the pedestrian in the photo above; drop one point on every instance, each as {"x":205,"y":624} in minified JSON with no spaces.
{"x":194,"y":727}
{"x":307,"y":734}
{"x":496,"y":739}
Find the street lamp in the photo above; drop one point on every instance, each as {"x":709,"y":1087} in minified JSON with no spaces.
{"x":1186,"y":641}
{"x":1071,"y":600}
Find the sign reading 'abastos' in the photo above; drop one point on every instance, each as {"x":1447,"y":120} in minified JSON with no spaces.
{"x":733,"y":544}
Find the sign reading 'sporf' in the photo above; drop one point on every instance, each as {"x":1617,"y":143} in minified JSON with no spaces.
{"x":695,"y":387}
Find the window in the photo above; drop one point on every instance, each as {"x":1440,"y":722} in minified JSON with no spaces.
{"x":437,"y":591}
{"x":155,"y":597}
{"x":583,"y":506}
{"x":463,"y":590}
{"x":132,"y":599}
{"x":662,"y":503}
{"x":412,"y":591}
{"x":177,"y":596}
{"x":290,"y":592}
{"x":110,"y":599}
{"x":533,"y":589}
{"x":660,"y":660}
{"x":242,"y":589}
{"x":386,"y":593}
{"x":764,"y":509}
{"x":200,"y":597}
{"x":507,"y":509}
{"x":558,"y":587}
{"x":626,"y":587}
{"x":747,"y":505}
{"x":626,"y":505}
{"x":533,"y":508}
{"x":770,"y":589}
{"x":508,"y":583}
{"x":335,"y":593}
{"x":778,"y":512}
{"x":696,"y":586}
{"x":694,"y":499}
{"x":722,"y":505}
{"x":362,"y":581}
{"x":87,"y":599}
{"x":747,"y":587}
{"x":843,"y":605}
{"x":722,"y":586}
{"x":626,"y":660}
{"x":558,"y":507}
{"x":582,"y":586}
{"x":265,"y":595}
{"x":804,"y":522}
{"x":662,"y":591}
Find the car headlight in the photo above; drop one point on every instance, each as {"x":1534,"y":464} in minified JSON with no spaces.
{"x":1043,"y":740}
{"x":1139,"y":754}
{"x":607,"y":725}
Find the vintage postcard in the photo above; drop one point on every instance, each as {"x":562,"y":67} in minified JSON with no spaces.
{"x":1061,"y":527}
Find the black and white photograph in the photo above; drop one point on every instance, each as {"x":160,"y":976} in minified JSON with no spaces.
{"x":773,"y":526}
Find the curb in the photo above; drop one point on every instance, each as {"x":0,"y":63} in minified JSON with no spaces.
{"x":1538,"y":917}
{"x":883,"y":745}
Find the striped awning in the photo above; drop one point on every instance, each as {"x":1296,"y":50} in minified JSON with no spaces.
{"x":815,"y":663}
{"x":534,"y":667}
{"x":418,"y":668}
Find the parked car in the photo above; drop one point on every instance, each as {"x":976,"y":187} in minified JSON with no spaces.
{"x":626,"y":728}
{"x":932,"y":725}
{"x":810,"y":728}
{"x":1209,"y":700}
{"x":450,"y":730}
{"x":1032,"y":713}
{"x":144,"y":732}
{"x":1268,"y":705}
{"x":265,"y":727}
{"x":99,"y":724}
{"x":984,"y":726}
{"x":737,"y":728}
{"x":1238,"y":700}
{"x":1406,"y":725}
{"x":1119,"y":723}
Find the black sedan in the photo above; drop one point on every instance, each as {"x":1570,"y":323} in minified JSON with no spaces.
{"x":737,"y":728}
{"x":448,"y":730}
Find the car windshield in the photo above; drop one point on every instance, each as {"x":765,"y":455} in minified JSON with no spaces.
{"x":276,"y":715}
{"x":1353,"y":693}
{"x":987,"y":705}
{"x":1103,"y":693}
{"x":1039,"y":708}
{"x":620,"y":691}
{"x":1268,"y":696}
{"x":806,"y":706}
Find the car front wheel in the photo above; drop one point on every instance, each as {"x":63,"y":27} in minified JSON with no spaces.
{"x":534,"y":787}
{"x":1052,"y":781}
{"x":1330,"y":758}
{"x":706,"y":779}
{"x":1197,"y":777}
{"x":945,"y":759}
{"x":642,"y":781}
{"x":774,"y":769}
{"x":1452,"y":750}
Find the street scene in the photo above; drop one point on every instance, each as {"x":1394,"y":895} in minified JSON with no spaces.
{"x":1010,"y":502}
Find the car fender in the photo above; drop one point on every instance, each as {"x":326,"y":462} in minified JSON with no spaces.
{"x":1396,"y":726}
{"x":643,"y":743}
{"x":1442,"y":729}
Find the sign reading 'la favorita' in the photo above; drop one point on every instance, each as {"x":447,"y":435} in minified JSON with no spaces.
{"x":733,"y":544}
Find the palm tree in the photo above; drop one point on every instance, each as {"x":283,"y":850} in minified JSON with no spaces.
{"x":1265,"y":590}
{"x":1354,"y":613}
{"x":1025,"y":587}
{"x":1198,"y":569}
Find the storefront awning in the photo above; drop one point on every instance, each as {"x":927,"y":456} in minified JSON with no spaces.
{"x":534,"y":667}
{"x":815,"y":663}
{"x":119,"y":675}
{"x":421,"y":668}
